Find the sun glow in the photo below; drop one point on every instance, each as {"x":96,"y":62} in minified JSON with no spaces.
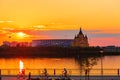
{"x":19,"y":37}
{"x":21,"y":34}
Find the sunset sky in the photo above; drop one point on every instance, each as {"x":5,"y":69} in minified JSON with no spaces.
{"x":26,"y":20}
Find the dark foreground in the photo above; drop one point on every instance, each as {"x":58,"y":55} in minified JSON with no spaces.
{"x":63,"y":78}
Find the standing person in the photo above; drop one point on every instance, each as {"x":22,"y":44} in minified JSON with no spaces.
{"x":29,"y":77}
{"x":45,"y":72}
{"x":54,"y":72}
{"x":65,"y":72}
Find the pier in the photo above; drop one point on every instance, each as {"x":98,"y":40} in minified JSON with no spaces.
{"x":59,"y":74}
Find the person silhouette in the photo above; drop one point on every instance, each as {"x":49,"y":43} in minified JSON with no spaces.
{"x":45,"y":72}
{"x":65,"y":72}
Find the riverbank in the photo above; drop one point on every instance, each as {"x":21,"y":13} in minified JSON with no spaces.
{"x":51,"y":52}
{"x":47,"y":51}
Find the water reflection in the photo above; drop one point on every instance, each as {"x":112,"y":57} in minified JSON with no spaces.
{"x":78,"y":65}
{"x":38,"y":63}
{"x":86,"y":63}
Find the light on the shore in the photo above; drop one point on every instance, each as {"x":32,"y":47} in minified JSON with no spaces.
{"x":21,"y":66}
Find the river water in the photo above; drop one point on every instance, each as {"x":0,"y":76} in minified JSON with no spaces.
{"x":108,"y":62}
{"x":36,"y":63}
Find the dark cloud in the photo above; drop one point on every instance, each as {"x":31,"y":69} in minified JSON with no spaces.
{"x":103,"y":35}
{"x":93,"y":31}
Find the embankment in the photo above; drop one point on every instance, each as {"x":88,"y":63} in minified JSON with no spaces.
{"x":49,"y":51}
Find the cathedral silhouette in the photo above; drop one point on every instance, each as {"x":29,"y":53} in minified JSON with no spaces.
{"x":80,"y":40}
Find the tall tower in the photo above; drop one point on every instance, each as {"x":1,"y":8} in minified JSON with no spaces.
{"x":80,"y":32}
{"x":80,"y":40}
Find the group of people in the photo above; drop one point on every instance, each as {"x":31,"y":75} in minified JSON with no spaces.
{"x":64,"y":72}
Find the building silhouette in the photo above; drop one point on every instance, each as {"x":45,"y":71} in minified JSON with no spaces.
{"x":52,"y":42}
{"x":80,"y":40}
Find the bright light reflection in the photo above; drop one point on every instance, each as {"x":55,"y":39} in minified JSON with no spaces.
{"x":21,"y":66}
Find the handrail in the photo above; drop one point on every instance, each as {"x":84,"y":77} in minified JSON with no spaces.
{"x":60,"y":72}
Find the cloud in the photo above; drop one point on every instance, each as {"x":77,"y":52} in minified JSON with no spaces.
{"x":103,"y":35}
{"x":104,"y":41}
{"x":8,"y":28}
{"x":7,"y":21}
{"x":2,"y":21}
{"x":3,"y":32}
{"x":103,"y":31}
{"x":94,"y":31}
{"x":39,"y":27}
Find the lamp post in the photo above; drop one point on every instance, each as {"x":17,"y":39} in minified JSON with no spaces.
{"x":101,"y":53}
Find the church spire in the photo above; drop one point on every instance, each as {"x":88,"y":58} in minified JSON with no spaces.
{"x":80,"y":32}
{"x":80,"y":40}
{"x":86,"y":37}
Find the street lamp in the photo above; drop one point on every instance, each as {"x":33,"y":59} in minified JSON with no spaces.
{"x":101,"y":53}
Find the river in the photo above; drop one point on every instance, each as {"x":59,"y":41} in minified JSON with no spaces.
{"x":108,"y":62}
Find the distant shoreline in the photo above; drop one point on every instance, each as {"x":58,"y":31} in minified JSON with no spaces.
{"x":50,"y":52}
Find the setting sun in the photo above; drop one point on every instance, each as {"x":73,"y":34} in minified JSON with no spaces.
{"x":21,"y":34}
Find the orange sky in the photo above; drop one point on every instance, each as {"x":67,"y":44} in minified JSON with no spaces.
{"x":30,"y":16}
